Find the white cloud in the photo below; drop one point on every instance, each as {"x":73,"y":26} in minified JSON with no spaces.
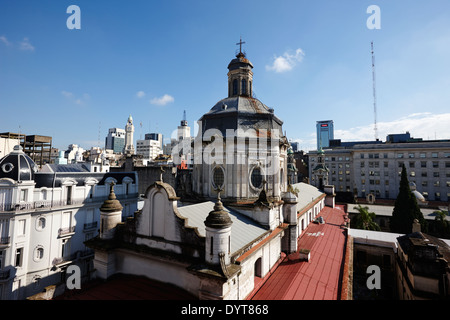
{"x":140,"y":94}
{"x":77,"y":100}
{"x":5,"y":41}
{"x":67,"y":94}
{"x":162,"y":101}
{"x":25,"y":45}
{"x":423,"y":125}
{"x":286,"y":62}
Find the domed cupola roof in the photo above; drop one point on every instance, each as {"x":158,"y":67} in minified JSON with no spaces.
{"x":17,"y":166}
{"x":240,"y":110}
{"x":240,"y":62}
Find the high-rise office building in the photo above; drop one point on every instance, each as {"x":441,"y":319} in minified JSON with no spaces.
{"x":115,"y":140}
{"x":155,"y":136}
{"x":325,"y":133}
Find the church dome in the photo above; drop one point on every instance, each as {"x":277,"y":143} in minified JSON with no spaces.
{"x":17,"y":166}
{"x":240,"y":62}
{"x":239,"y":104}
{"x":240,"y":110}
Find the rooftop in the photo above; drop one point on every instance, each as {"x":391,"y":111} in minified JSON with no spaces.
{"x":320,"y":277}
{"x":127,"y":287}
{"x":243,"y":230}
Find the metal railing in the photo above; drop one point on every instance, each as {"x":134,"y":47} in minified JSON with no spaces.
{"x":64,"y":231}
{"x":44,"y":204}
{"x":5,"y":240}
{"x":90,"y":225}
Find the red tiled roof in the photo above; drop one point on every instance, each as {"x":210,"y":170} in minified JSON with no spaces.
{"x":318,"y":279}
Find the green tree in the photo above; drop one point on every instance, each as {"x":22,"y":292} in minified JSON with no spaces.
{"x":406,"y":209}
{"x":364,"y":219}
{"x":442,"y":225}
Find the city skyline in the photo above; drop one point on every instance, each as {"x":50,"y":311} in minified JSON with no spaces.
{"x":153,"y":60}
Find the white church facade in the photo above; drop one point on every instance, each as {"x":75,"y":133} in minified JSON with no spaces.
{"x":246,"y":217}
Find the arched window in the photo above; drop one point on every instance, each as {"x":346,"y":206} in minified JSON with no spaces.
{"x":235,"y":86}
{"x":244,"y":87}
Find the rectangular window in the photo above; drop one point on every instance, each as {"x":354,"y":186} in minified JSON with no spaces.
{"x":400,"y":155}
{"x":411,"y":164}
{"x":423,"y":155}
{"x":19,"y":256}
{"x":435,"y":164}
{"x":423,"y":164}
{"x":211,"y":246}
{"x":434,"y":154}
{"x":21,"y":227}
{"x":410,"y":155}
{"x":23,"y":195}
{"x":386,"y":164}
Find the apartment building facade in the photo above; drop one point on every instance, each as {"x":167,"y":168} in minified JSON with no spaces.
{"x":45,"y":218}
{"x":375,"y":168}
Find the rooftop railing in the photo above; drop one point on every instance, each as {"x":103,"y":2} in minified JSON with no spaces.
{"x":46,"y":204}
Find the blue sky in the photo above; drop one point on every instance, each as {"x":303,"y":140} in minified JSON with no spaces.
{"x":155,"y":59}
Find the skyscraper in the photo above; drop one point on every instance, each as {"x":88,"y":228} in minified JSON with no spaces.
{"x":115,"y":140}
{"x":325,"y":133}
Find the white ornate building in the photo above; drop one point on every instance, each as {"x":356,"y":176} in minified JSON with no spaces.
{"x":247,"y":218}
{"x":240,"y":147}
{"x":45,"y":217}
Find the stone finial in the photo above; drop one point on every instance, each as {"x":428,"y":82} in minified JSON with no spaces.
{"x":161,"y":173}
{"x":218,"y":218}
{"x":112,"y":204}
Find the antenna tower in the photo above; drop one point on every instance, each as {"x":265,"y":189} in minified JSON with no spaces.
{"x":374,"y":94}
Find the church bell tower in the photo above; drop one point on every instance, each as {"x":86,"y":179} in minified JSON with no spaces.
{"x":240,"y":75}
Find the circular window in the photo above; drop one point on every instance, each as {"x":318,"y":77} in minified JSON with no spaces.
{"x":7,"y":167}
{"x":218,"y":177}
{"x":38,"y":253}
{"x":256,"y":178}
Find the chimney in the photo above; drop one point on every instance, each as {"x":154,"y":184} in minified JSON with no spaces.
{"x":416,"y":226}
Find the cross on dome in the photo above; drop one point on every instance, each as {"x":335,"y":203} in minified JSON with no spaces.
{"x":240,"y":43}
